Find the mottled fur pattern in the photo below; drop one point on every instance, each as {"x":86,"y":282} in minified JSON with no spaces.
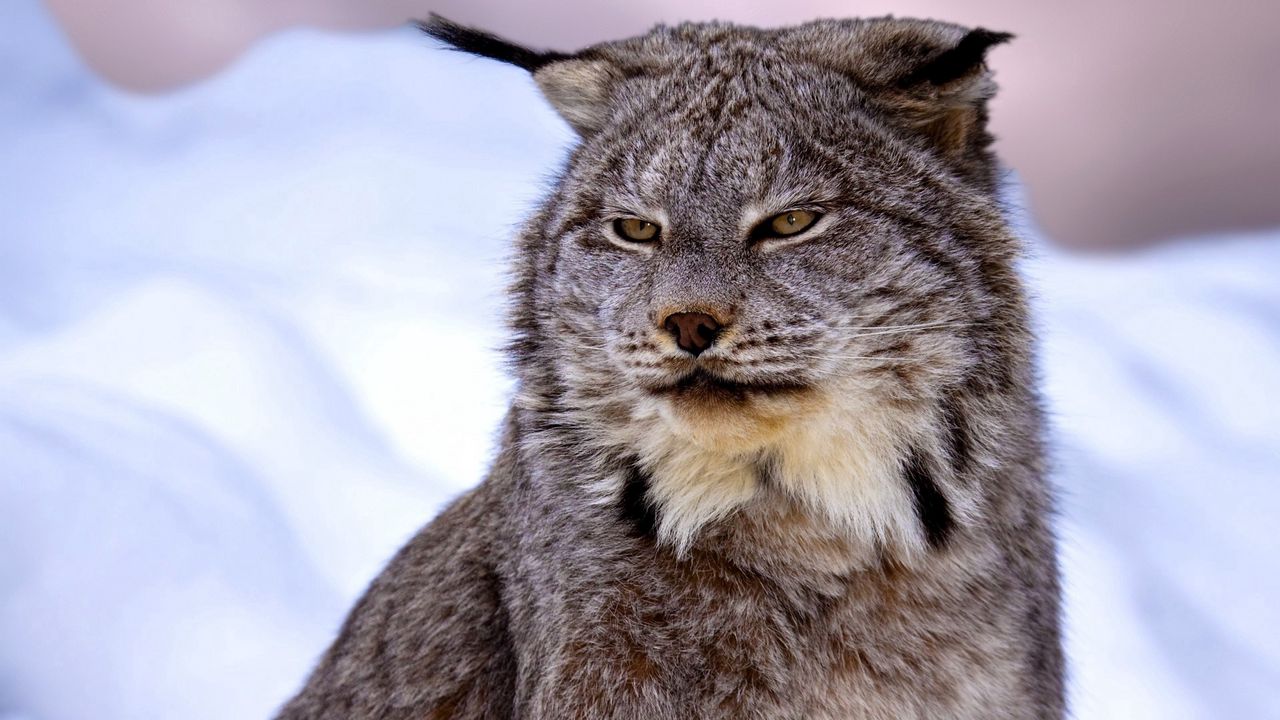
{"x":839,"y":509}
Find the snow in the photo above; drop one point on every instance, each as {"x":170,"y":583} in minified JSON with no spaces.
{"x":1162,"y":371}
{"x":248,"y":344}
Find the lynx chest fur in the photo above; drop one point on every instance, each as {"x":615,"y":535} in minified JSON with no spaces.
{"x":775,"y":450}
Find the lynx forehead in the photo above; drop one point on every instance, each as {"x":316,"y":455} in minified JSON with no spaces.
{"x":775,"y":448}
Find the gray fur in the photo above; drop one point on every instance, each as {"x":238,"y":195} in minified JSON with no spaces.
{"x":853,"y":520}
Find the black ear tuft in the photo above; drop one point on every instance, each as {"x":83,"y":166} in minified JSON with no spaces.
{"x":958,"y":62}
{"x":479,"y":42}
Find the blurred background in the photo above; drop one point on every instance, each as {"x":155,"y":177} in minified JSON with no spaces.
{"x":251,"y":260}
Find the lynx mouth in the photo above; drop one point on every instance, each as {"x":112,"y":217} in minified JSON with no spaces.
{"x":703,"y":385}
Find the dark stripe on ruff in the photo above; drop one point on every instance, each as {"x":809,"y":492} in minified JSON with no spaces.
{"x":635,"y":507}
{"x":931,"y":505}
{"x":959,"y":446}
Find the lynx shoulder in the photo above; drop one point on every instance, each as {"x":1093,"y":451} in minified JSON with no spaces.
{"x":775,"y":450}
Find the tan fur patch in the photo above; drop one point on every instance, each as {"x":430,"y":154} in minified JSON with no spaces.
{"x":830,"y":453}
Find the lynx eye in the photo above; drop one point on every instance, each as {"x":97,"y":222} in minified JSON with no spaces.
{"x":635,"y":229}
{"x":791,"y":222}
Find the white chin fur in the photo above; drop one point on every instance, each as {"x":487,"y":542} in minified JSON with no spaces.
{"x":838,"y":458}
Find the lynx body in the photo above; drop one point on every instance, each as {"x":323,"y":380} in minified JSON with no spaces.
{"x":776,"y":447}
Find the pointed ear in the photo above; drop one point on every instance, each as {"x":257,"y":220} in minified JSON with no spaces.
{"x":577,"y":86}
{"x":928,"y":77}
{"x":944,"y":97}
{"x":580,"y":89}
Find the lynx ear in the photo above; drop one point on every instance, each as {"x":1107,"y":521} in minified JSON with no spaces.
{"x":945,"y":96}
{"x":580,"y":90}
{"x":577,"y":86}
{"x":956,"y":63}
{"x":929,"y":77}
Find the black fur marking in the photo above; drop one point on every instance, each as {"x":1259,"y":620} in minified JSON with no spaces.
{"x":479,"y":42}
{"x":766,"y":469}
{"x":931,"y":505}
{"x":959,"y":446}
{"x":635,"y":507}
{"x":959,"y":61}
{"x":703,"y":385}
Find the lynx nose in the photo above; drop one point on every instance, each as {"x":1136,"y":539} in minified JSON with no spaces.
{"x":694,"y":331}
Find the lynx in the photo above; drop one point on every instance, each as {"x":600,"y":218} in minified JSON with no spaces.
{"x":776,"y":446}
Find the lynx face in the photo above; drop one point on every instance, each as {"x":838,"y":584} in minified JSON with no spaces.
{"x":755,"y":274}
{"x":855,"y":299}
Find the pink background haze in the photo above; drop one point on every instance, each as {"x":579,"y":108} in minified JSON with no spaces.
{"x":1130,"y":122}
